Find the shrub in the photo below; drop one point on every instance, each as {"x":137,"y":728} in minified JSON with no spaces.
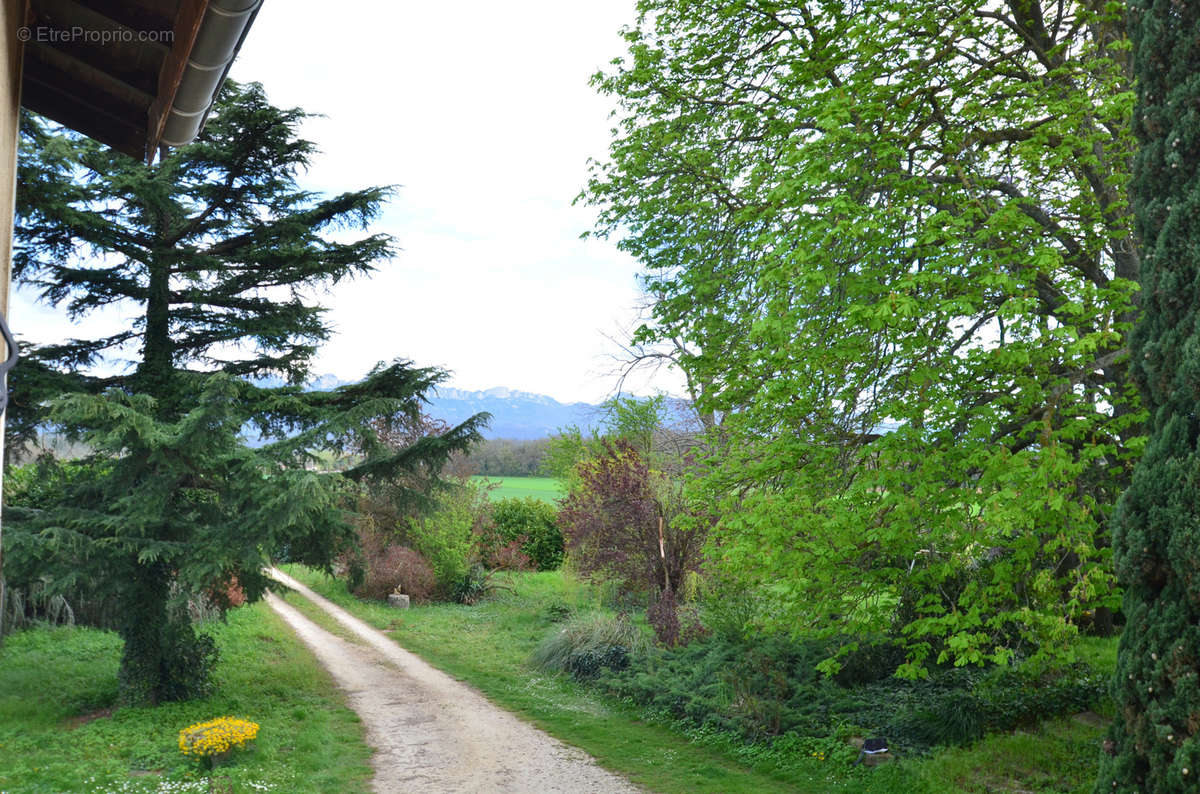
{"x":509,"y":558}
{"x":397,"y":569}
{"x":626,"y":521}
{"x":1010,"y":698}
{"x":958,"y":705}
{"x":754,"y":688}
{"x":587,"y":644}
{"x":214,"y":737}
{"x":227,"y":595}
{"x":945,"y":719}
{"x":382,"y":565}
{"x":769,"y":686}
{"x":728,"y":609}
{"x":447,"y":536}
{"x":691,"y":628}
{"x":476,"y":584}
{"x":664,"y":619}
{"x":870,"y":660}
{"x":533,"y":525}
{"x":414,"y":575}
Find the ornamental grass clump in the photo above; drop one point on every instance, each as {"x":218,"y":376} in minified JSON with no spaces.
{"x":587,"y":643}
{"x":216,"y":738}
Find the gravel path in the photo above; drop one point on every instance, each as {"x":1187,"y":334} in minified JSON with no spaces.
{"x":430,"y":732}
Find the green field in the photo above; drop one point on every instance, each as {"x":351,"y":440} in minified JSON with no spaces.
{"x":547,"y":489}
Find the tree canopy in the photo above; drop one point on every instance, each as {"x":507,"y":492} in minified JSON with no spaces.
{"x":888,"y":243}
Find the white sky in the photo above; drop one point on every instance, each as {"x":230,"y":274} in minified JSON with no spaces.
{"x":482,"y":113}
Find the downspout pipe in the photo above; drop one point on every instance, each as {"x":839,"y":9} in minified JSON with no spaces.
{"x":218,"y":40}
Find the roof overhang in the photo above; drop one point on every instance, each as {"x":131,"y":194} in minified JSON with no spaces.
{"x":133,"y":74}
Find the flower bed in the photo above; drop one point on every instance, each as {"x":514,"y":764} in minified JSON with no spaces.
{"x":215,"y":739}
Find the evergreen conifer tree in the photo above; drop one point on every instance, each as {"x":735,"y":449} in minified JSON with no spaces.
{"x":217,"y":248}
{"x":1156,"y":736}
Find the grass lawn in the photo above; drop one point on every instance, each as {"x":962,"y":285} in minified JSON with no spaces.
{"x":487,"y":645}
{"x":1058,"y":756}
{"x":547,"y":489}
{"x":57,"y":735}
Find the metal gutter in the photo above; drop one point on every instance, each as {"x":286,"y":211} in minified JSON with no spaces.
{"x":222,"y":31}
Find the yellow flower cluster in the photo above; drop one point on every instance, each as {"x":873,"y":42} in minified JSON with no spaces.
{"x":206,"y":739}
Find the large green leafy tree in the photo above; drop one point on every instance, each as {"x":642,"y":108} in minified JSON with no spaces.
{"x":214,"y":250}
{"x":888,"y":244}
{"x":1157,"y":527}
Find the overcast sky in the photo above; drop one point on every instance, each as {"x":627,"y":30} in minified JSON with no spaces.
{"x":481,"y":112}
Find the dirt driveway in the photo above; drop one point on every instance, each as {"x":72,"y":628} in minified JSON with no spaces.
{"x":430,"y":732}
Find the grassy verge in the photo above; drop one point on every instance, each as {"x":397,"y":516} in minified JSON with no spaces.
{"x":1057,"y":757}
{"x":488,"y":646}
{"x":56,"y":735}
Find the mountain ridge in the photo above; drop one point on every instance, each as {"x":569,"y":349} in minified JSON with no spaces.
{"x":515,"y":414}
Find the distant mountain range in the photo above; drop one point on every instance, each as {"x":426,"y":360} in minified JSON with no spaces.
{"x":515,"y":414}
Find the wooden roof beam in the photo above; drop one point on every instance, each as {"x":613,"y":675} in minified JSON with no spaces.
{"x":187,"y":25}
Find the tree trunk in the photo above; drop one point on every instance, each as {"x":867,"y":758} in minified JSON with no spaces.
{"x":143,"y":620}
{"x":154,"y":372}
{"x":163,"y":659}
